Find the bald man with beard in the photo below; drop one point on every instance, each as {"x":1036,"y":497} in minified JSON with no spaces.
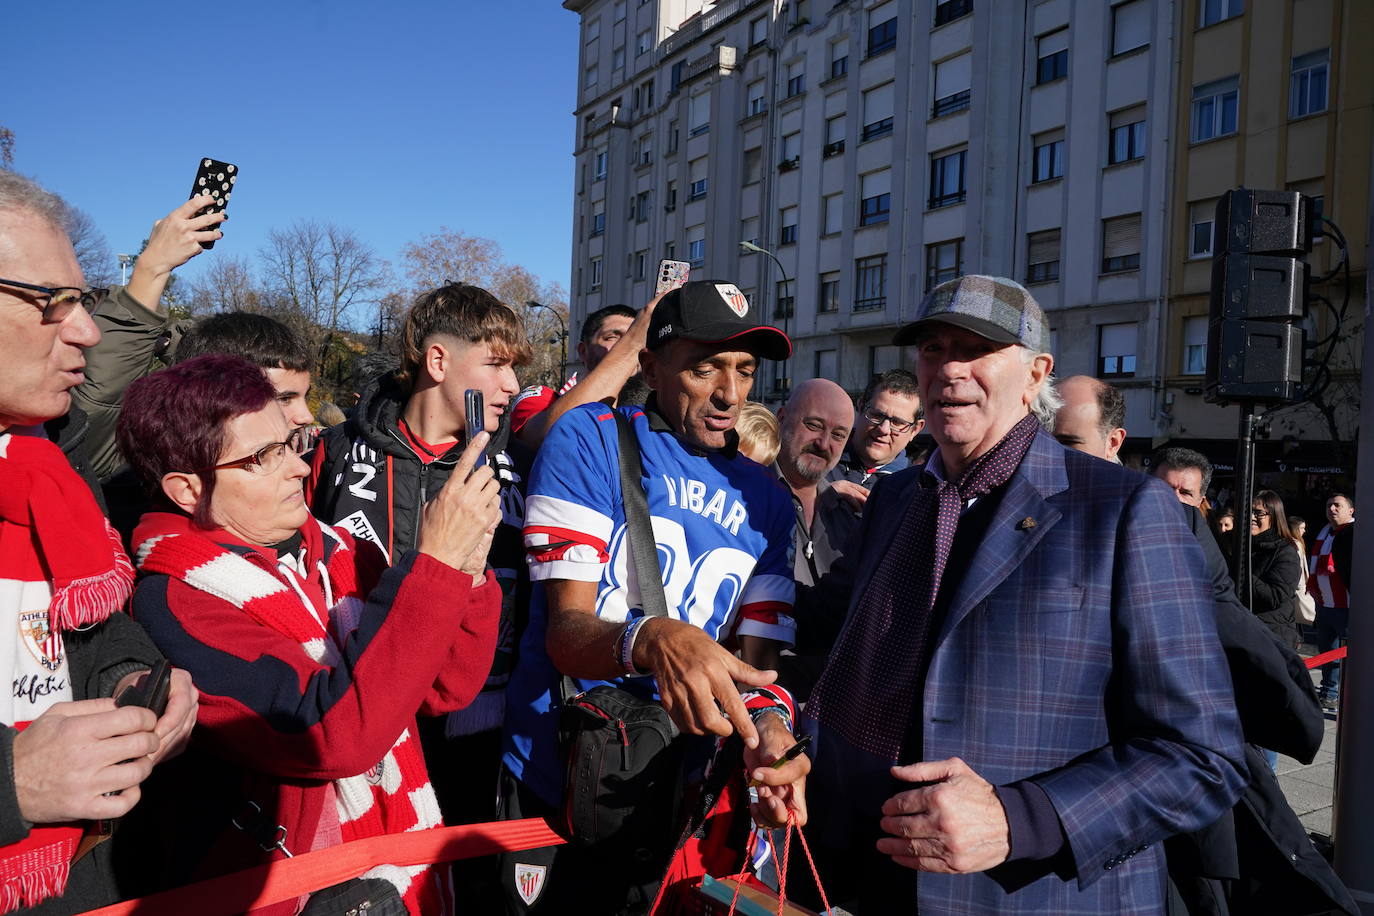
{"x":815,"y":424}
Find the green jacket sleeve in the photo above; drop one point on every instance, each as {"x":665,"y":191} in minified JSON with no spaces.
{"x":129,"y":335}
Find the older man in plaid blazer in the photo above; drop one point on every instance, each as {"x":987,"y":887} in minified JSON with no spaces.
{"x":1028,"y":695}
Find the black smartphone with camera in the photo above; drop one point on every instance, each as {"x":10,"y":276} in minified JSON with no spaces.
{"x":216,"y":179}
{"x":474,"y":405}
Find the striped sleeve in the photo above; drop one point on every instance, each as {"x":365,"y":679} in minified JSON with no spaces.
{"x":569,"y":515}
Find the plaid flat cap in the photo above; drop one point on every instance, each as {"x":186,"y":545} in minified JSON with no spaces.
{"x":994,"y":307}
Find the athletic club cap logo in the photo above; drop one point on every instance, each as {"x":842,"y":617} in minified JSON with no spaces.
{"x":733,"y":298}
{"x":529,"y":881}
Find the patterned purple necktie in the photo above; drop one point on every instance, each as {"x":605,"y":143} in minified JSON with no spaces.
{"x":874,"y":674}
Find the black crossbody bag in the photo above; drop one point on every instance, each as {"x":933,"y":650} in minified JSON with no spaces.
{"x":624,"y":767}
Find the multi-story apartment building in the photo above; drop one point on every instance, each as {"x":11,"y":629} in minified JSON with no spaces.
{"x":877,"y":147}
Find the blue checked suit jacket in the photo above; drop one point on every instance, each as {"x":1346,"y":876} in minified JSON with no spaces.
{"x":1080,"y":653}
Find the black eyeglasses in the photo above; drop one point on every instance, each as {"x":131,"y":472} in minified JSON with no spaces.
{"x":57,"y":302}
{"x":878,"y":419}
{"x":1258,"y":513}
{"x":266,"y":459}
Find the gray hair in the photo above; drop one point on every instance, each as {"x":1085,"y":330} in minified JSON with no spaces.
{"x":20,"y":193}
{"x":1047,"y":400}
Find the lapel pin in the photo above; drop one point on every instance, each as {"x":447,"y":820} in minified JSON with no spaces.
{"x":1025,"y":524}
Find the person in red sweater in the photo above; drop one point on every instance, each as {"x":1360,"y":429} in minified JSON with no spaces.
{"x":313,"y":656}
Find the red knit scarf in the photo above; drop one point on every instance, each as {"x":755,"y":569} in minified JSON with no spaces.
{"x":53,"y":532}
{"x":395,"y":795}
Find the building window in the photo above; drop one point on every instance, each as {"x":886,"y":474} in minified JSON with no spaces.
{"x":641,"y":262}
{"x":834,"y":136}
{"x":619,"y":11}
{"x":1201,"y":217}
{"x":1126,"y":136}
{"x":950,"y":10}
{"x":700,"y":111}
{"x":796,"y":79}
{"x":1195,"y":345}
{"x":1121,"y":244}
{"x":758,"y":101}
{"x":643,"y":43}
{"x":870,"y":283}
{"x":785,"y":306}
{"x":944,"y":261}
{"x":1215,"y":109}
{"x":947,"y":179}
{"x":878,"y":108}
{"x":593,"y":30}
{"x":675,"y":76}
{"x":599,"y":166}
{"x":1047,"y":159}
{"x":791,"y":152}
{"x":646,"y":150}
{"x":618,"y":58}
{"x":753,"y":165}
{"x":696,"y":245}
{"x":1116,"y":350}
{"x":670,"y":198}
{"x":839,"y":59}
{"x":830,"y":292}
{"x":1130,"y":26}
{"x":589,"y":80}
{"x":1042,"y":256}
{"x":876,"y":197}
{"x":788,"y":221}
{"x":749,"y":232}
{"x":696,"y":173}
{"x":953,"y":78}
{"x":882,"y":29}
{"x":643,"y":200}
{"x":832,"y":206}
{"x":1052,"y":53}
{"x":672,"y":137}
{"x":1307,"y":85}
{"x":827,"y":364}
{"x":758,"y":31}
{"x":599,"y":221}
{"x":595,"y":273}
{"x":1210,"y":12}
{"x":670,"y":251}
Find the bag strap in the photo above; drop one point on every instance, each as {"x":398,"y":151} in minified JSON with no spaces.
{"x":639,"y":530}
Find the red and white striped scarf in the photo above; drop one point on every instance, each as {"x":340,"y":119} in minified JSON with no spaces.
{"x":1332,"y":590}
{"x":395,"y":795}
{"x":61,"y":567}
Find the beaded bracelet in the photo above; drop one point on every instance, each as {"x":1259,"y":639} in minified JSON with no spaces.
{"x":625,"y":655}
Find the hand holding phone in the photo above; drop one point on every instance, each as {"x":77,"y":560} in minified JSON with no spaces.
{"x":153,"y":692}
{"x":216,"y":179}
{"x":671,"y":275}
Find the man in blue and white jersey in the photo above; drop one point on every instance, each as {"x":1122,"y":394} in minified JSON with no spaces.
{"x":723,"y":528}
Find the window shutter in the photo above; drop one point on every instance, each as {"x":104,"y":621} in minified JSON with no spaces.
{"x":953,"y":76}
{"x":1121,"y":236}
{"x":878,"y":103}
{"x":1053,"y":42}
{"x":876,"y":183}
{"x":1127,"y":116}
{"x":1117,"y":339}
{"x":1044,"y":247}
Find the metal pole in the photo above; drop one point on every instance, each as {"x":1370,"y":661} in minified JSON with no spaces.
{"x":786,"y":378}
{"x":1353,"y":832}
{"x":1245,"y":496}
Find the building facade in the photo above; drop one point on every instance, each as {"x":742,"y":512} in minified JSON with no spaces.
{"x":874,"y":149}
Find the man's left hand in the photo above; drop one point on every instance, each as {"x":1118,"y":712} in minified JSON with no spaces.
{"x":174,"y":728}
{"x":952,"y":824}
{"x":783,"y":789}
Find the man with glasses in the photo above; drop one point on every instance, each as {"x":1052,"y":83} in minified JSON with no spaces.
{"x":889,"y":417}
{"x":68,"y":755}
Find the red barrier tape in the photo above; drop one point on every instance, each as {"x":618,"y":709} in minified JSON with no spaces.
{"x":1319,"y":660}
{"x":287,"y":879}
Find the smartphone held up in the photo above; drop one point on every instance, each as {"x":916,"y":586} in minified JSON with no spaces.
{"x":216,"y":179}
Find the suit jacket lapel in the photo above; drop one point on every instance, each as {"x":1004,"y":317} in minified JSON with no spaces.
{"x":1007,"y":542}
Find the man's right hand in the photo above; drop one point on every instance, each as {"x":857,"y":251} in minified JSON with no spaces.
{"x":697,"y":678}
{"x":173,"y":240}
{"x":71,"y":756}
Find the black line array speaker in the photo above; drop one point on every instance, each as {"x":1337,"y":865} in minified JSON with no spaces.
{"x":1260,"y":283}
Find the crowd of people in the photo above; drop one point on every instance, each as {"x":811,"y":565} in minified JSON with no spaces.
{"x":1024,"y":675}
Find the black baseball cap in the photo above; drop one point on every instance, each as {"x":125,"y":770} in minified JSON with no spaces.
{"x":714,"y":311}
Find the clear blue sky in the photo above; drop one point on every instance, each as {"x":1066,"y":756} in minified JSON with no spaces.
{"x":392,"y":119}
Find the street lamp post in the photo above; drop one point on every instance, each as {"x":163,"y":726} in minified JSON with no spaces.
{"x":124,"y":261}
{"x":785,"y":381}
{"x":562,"y":338}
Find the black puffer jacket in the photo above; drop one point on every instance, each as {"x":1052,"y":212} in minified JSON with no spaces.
{"x":1274,"y":570}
